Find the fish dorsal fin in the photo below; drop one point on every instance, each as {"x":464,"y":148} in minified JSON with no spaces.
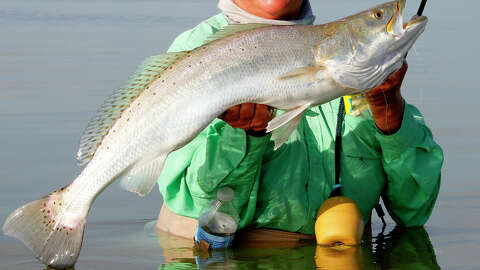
{"x":233,"y":29}
{"x":113,"y":107}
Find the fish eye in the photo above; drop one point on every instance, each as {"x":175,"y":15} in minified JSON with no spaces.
{"x":378,"y":14}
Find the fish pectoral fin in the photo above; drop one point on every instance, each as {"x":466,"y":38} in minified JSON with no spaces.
{"x":142,"y":176}
{"x":283,"y":125}
{"x":303,"y":71}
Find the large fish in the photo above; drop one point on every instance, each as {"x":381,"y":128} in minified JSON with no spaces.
{"x":176,"y":95}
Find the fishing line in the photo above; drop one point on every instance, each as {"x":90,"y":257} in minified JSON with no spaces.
{"x":415,"y":50}
{"x":419,"y":13}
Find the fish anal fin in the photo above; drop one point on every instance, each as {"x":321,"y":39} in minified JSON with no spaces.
{"x":142,"y":176}
{"x":303,"y":71}
{"x":283,"y":125}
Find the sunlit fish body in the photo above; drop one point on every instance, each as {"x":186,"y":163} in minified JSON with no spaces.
{"x":176,"y":95}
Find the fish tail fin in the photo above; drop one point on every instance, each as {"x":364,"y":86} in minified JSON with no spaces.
{"x":51,"y":228}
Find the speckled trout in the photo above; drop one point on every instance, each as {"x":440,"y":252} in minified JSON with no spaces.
{"x":174,"y":96}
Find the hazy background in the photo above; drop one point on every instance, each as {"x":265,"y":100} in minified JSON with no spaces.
{"x":60,"y":59}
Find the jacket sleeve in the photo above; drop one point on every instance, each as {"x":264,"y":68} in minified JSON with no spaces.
{"x":219,"y":156}
{"x":412,"y":162}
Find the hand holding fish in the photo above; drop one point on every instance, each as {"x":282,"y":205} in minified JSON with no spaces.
{"x":386,"y":102}
{"x":249,"y":116}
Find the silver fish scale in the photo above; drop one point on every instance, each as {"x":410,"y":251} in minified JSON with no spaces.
{"x":198,"y":89}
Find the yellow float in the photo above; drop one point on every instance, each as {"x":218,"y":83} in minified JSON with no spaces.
{"x":339,"y":221}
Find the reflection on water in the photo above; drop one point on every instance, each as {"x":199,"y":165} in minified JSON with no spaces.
{"x":400,"y":249}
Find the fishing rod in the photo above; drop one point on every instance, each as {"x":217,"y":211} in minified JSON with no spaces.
{"x":421,"y":8}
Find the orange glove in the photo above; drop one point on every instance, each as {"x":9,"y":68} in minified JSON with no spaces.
{"x":251,"y":117}
{"x":386,"y":102}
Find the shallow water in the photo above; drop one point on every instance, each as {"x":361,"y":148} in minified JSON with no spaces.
{"x":60,"y":59}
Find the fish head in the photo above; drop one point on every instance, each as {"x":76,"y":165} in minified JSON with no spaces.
{"x":369,"y":46}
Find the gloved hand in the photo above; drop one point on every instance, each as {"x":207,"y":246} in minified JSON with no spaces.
{"x":251,"y":117}
{"x":386,"y":102}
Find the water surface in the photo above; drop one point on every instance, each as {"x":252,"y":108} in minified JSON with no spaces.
{"x":60,"y":59}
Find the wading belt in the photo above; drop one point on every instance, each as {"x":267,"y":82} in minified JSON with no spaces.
{"x":337,"y":187}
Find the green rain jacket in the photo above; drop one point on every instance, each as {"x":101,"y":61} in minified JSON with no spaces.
{"x":283,"y":189}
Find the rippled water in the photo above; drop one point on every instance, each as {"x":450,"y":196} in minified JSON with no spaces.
{"x":60,"y":59}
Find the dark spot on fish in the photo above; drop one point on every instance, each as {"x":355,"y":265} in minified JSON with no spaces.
{"x":48,"y":212}
{"x":200,"y":62}
{"x":163,"y":81}
{"x":44,"y":216}
{"x":154,"y":93}
{"x":44,"y":204}
{"x":138,"y":104}
{"x":171,"y":68}
{"x":128,"y":119}
{"x":189,"y":66}
{"x":174,"y":83}
{"x":71,"y":229}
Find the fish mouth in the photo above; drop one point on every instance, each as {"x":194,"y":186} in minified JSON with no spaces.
{"x":415,"y":22}
{"x":395,"y":25}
